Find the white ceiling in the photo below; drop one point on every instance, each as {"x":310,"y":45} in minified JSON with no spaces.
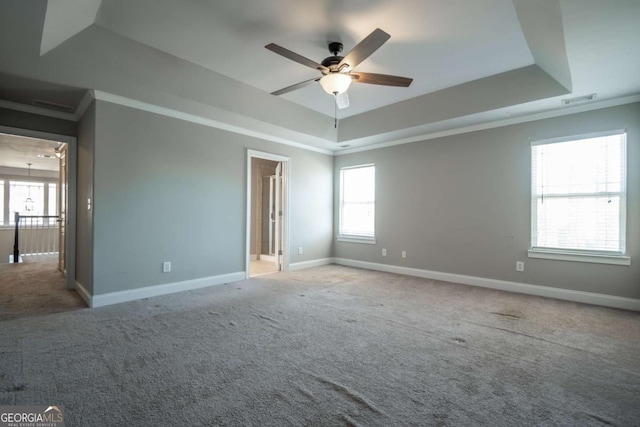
{"x":17,"y":151}
{"x":473,"y":62}
{"x":439,"y":44}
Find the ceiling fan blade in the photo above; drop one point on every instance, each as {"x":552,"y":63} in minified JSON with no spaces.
{"x":294,"y":56}
{"x":365,"y":48}
{"x":381,"y":79}
{"x":296,"y":86}
{"x":342,"y":100}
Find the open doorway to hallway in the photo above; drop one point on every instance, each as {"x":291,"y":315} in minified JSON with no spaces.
{"x":266,"y":213}
{"x":33,"y":207}
{"x":33,"y":189}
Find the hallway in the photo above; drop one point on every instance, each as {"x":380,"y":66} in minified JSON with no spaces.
{"x":35,"y":289}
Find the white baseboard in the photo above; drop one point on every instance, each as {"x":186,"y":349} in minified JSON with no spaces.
{"x":309,"y":264}
{"x":167,"y":288}
{"x":523,"y":288}
{"x":84,"y":294}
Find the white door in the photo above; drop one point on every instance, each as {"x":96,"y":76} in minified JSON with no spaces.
{"x":62,"y":210}
{"x":279,"y":187}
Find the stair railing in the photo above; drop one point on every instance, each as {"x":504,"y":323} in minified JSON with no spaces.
{"x":35,"y":235}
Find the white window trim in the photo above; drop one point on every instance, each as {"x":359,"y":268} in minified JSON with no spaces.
{"x":545,"y":253}
{"x":371,"y":240}
{"x":353,"y":238}
{"x":576,"y":137}
{"x":579,"y":256}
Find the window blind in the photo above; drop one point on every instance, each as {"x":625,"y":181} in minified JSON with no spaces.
{"x":357,"y":201}
{"x":579,"y":194}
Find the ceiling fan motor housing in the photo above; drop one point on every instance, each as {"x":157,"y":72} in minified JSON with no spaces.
{"x":332,"y":62}
{"x":335,"y":48}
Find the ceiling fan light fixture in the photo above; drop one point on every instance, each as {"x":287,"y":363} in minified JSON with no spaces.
{"x":335,"y":83}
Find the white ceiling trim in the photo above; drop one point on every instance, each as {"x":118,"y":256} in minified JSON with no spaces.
{"x":144,"y":106}
{"x":498,"y":123}
{"x":116,"y":99}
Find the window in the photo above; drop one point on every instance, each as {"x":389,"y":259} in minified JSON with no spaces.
{"x":14,"y":195}
{"x":578,"y":198}
{"x":26,"y":197}
{"x":357,"y":204}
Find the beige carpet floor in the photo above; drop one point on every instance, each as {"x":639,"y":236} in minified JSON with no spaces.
{"x":329,"y":346}
{"x":35,"y":288}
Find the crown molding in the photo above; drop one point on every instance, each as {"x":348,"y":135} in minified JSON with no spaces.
{"x":169,"y":112}
{"x":188,"y":117}
{"x":564,"y":111}
{"x":87,"y":99}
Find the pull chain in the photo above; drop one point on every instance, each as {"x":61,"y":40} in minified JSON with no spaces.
{"x":335,"y":110}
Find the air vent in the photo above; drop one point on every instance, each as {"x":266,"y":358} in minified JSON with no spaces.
{"x":53,"y":106}
{"x":578,"y":99}
{"x":345,"y":146}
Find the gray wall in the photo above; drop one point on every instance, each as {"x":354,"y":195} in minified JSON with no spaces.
{"x":84,"y":216}
{"x":169,"y":190}
{"x":461,"y":204}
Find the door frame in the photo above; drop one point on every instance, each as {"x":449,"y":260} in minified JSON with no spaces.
{"x":286,"y":167}
{"x":63,"y":174}
{"x":72,"y":153}
{"x":278,"y":208}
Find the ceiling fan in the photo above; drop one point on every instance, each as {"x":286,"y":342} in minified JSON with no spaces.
{"x":338,"y":71}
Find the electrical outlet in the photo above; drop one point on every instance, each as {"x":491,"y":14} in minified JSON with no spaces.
{"x":300,"y":250}
{"x":384,"y":252}
{"x":166,"y":267}
{"x":519,"y":265}
{"x":404,"y":254}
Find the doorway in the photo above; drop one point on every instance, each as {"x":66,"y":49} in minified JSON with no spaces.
{"x":34,"y":241}
{"x":49,"y":235}
{"x":267,"y":213}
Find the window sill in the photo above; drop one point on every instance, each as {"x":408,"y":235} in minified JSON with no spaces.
{"x":579,"y":257}
{"x":357,"y":239}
